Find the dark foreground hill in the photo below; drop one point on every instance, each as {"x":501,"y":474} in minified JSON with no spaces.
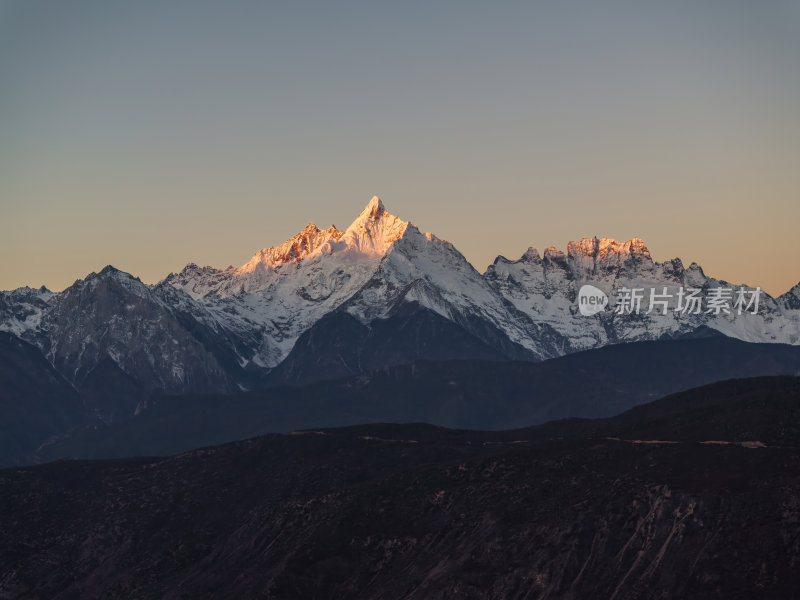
{"x":694,"y":496}
{"x":457,"y":394}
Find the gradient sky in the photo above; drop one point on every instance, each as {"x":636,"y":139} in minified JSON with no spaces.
{"x":148,"y":134}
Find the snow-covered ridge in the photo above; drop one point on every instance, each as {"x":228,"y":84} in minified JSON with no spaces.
{"x":21,"y":310}
{"x":589,"y":251}
{"x":371,"y":234}
{"x":600,"y":249}
{"x":252,"y":316}
{"x":295,"y":249}
{"x":283,"y":290}
{"x":545,"y":289}
{"x":381,"y":261}
{"x":367,"y":238}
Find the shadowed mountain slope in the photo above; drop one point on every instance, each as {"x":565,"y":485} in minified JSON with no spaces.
{"x":458,"y":394}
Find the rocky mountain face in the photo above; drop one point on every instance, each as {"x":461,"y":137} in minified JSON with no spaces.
{"x":695,"y":496}
{"x":205,"y":329}
{"x":113,"y":315}
{"x":462,"y":394}
{"x":339,"y":345}
{"x":546,"y":288}
{"x":791,"y":299}
{"x":112,"y":332}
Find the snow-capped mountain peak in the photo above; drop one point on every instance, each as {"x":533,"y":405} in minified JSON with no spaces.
{"x":368,"y":238}
{"x":371,"y":234}
{"x":295,"y":249}
{"x":283,"y":290}
{"x":531,"y":255}
{"x":373,"y":210}
{"x":553,"y":253}
{"x":239,"y":323}
{"x":374,"y":231}
{"x":589,"y":254}
{"x":599,"y":249}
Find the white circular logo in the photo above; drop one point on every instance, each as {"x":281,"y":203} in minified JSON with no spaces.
{"x":591,"y":300}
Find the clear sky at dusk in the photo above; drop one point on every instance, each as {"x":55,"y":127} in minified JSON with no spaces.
{"x":150,"y":134}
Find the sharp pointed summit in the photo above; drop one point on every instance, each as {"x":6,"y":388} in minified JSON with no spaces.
{"x":375,"y":230}
{"x":373,"y":209}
